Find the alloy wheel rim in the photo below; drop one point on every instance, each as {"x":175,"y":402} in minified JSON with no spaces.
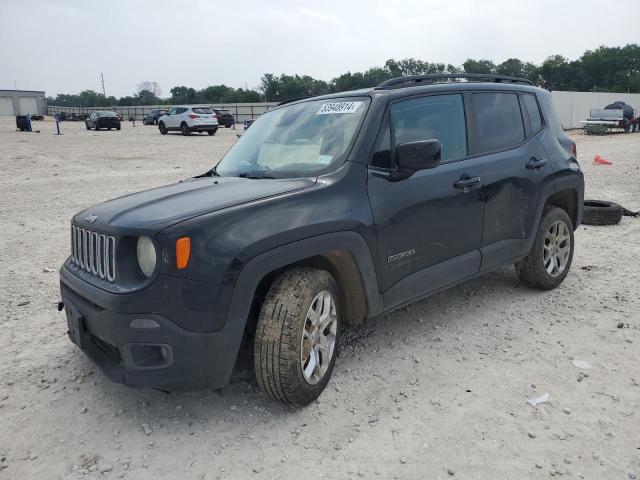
{"x":318,"y":341}
{"x":556,"y":248}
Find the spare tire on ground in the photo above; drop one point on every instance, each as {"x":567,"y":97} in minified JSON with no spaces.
{"x":600,"y":212}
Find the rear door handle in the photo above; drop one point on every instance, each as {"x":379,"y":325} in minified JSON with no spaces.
{"x":536,"y":163}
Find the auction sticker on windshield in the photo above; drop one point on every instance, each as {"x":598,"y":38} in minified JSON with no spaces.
{"x":338,"y":107}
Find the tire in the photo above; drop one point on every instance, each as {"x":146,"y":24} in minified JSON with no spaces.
{"x":155,"y":121}
{"x":211,"y":132}
{"x":162,"y":128}
{"x":97,"y":128}
{"x":108,"y":128}
{"x":87,"y":125}
{"x":227,"y":126}
{"x":118,"y":127}
{"x":279,"y":346}
{"x":184,"y":128}
{"x":598,"y":212}
{"x":144,"y":121}
{"x":533,"y":270}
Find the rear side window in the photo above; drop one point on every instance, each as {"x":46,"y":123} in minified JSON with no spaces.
{"x":497,"y":121}
{"x":202,"y":110}
{"x":533,"y":110}
{"x":437,"y":117}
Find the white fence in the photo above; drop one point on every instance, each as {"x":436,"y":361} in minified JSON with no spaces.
{"x":572,"y":107}
{"x":241,"y":111}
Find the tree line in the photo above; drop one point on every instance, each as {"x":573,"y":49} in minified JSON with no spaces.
{"x":605,"y":69}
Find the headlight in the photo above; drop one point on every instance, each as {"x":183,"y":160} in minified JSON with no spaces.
{"x":146,"y":252}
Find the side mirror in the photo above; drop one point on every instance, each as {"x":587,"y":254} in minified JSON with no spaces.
{"x":421,"y":155}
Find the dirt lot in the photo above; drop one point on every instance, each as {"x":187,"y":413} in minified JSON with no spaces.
{"x":436,"y":390}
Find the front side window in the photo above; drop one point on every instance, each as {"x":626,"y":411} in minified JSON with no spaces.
{"x":437,"y":117}
{"x":296,"y":140}
{"x":497,"y":121}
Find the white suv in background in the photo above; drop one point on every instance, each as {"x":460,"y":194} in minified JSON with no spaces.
{"x":189,"y":119}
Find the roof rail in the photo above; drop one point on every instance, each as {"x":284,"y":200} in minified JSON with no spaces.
{"x":290,"y":100}
{"x":414,"y":80}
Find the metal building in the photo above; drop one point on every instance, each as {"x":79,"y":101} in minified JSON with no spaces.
{"x":22,"y":102}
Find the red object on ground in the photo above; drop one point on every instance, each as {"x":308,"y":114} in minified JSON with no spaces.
{"x":598,"y":160}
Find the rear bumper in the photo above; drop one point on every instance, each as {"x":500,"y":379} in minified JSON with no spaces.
{"x":108,"y":123}
{"x":204,"y":128}
{"x":166,"y":356}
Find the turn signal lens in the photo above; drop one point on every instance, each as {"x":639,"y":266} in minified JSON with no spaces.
{"x":183,"y":251}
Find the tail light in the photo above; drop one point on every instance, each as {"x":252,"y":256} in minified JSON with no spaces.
{"x":193,"y":115}
{"x":574,"y":150}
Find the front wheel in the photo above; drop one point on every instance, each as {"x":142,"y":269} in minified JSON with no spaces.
{"x":550,"y":257}
{"x":163,"y":129}
{"x":297,"y":335}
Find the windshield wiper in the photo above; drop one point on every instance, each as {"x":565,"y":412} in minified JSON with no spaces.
{"x":254,"y":176}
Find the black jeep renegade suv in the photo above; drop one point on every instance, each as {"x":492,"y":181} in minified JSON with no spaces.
{"x":326,"y":212}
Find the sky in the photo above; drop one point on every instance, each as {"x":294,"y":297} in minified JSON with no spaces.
{"x":62,"y":46}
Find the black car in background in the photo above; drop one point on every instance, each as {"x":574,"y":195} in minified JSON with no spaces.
{"x":101,"y":119}
{"x":152,"y":117}
{"x":224,"y":117}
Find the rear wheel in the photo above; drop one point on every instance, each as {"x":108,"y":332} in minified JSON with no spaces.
{"x":211,"y":132}
{"x":97,"y":128}
{"x":184,"y":128}
{"x":163,"y":129}
{"x":550,"y":257}
{"x":118,"y":127}
{"x":155,"y":121}
{"x":297,"y":336}
{"x":87,"y":125}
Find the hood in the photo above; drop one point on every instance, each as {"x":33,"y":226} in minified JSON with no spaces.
{"x":158,"y":208}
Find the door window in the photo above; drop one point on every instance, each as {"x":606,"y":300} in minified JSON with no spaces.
{"x":497,"y":121}
{"x":437,"y":117}
{"x":533,"y":110}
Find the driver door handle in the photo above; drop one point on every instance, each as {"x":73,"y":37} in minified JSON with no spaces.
{"x":536,"y":163}
{"x":466,"y":183}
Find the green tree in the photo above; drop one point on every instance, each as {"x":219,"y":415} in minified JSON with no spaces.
{"x":479,"y":66}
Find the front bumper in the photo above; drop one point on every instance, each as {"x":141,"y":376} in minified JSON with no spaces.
{"x":166,"y":356}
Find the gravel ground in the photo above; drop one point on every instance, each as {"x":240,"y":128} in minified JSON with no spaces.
{"x":436,"y":390}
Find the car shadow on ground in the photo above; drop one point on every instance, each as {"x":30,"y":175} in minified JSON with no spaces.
{"x":384,"y":332}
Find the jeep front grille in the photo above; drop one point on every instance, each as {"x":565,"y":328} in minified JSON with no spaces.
{"x":94,"y":252}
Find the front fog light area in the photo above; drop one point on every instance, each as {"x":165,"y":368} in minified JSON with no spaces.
{"x":151,"y":355}
{"x":146,"y":253}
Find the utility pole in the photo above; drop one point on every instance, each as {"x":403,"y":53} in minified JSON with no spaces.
{"x":102,"y":78}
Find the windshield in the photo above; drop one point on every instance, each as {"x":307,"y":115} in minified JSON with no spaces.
{"x":302,"y":139}
{"x":106,"y":114}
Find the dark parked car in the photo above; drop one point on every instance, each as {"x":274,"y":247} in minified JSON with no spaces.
{"x":224,"y":117}
{"x":102,"y":119}
{"x":326,"y":212}
{"x":153,"y":116}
